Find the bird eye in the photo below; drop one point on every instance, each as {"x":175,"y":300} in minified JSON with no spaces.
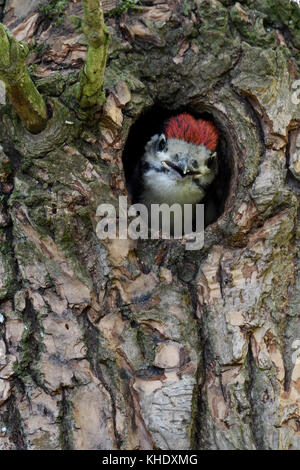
{"x":194,"y":163}
{"x":162,"y":143}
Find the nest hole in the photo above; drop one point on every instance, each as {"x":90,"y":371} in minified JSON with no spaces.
{"x":150,"y":123}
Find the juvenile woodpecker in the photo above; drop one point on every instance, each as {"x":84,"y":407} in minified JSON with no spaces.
{"x":179,"y":164}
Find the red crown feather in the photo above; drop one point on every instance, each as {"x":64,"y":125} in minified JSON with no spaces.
{"x":196,"y":131}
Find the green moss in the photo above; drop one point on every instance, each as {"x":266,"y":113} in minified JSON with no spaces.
{"x":187,"y":7}
{"x":284,"y":16}
{"x":286,"y":12}
{"x":124,"y":6}
{"x":55,"y":10}
{"x":89,"y":91}
{"x":53,"y":85}
{"x":40,"y":50}
{"x":21,"y":91}
{"x":5,"y":167}
{"x":8,"y":278}
{"x":215,"y":38}
{"x":250,"y":24}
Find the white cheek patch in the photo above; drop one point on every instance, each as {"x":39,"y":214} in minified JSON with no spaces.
{"x":156,"y":159}
{"x":163,"y":156}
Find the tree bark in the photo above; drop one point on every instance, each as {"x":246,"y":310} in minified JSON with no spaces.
{"x":118,"y":344}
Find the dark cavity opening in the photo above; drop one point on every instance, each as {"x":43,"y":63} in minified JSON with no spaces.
{"x":151,"y":123}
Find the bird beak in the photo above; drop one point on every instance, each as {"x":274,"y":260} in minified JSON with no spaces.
{"x":181,"y":168}
{"x":183,"y":165}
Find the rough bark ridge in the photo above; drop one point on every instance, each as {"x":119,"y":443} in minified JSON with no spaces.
{"x":114,"y":345}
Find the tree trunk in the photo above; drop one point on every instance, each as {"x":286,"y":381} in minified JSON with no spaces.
{"x":116,"y":344}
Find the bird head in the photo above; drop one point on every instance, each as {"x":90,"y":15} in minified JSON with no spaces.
{"x":181,"y":162}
